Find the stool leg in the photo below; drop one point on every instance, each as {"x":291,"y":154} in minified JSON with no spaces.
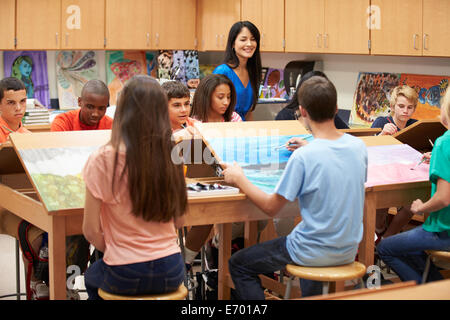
{"x":427,"y":269}
{"x":362,"y":283}
{"x":17,"y":270}
{"x":325,"y":287}
{"x":287,"y":293}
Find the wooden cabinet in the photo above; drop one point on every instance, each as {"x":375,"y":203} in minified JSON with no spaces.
{"x":150,"y":24}
{"x":328,"y":26}
{"x":414,"y":27}
{"x":127,"y":24}
{"x":38,"y":24}
{"x":173,"y":24}
{"x":7,"y":24}
{"x":215,"y":20}
{"x":83,"y":24}
{"x":399,"y":31}
{"x":268,"y":16}
{"x":436,"y":28}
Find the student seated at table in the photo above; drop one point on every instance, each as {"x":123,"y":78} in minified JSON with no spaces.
{"x":13,"y":99}
{"x":403,"y":103}
{"x":91,"y":115}
{"x":327,"y":176}
{"x":405,"y":252}
{"x":135,"y":198}
{"x":290,"y":111}
{"x":214,"y":101}
{"x":179,"y":103}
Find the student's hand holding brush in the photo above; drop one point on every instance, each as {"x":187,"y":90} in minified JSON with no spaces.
{"x":295,"y":142}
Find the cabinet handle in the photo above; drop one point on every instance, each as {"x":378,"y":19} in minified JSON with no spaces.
{"x":56,"y":38}
{"x":217,"y":40}
{"x":425,"y":36}
{"x":148,"y":39}
{"x":262,"y":40}
{"x":325,"y":41}
{"x":415,"y":36}
{"x":221,"y":39}
{"x":67,"y":39}
{"x":157,"y":39}
{"x":318,"y":36}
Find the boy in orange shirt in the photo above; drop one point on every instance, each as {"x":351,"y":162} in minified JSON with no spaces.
{"x":91,"y":115}
{"x":13,"y":101}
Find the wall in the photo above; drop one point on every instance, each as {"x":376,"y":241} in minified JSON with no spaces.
{"x":341,"y":69}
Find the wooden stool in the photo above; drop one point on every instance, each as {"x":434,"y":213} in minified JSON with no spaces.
{"x":325,"y":274}
{"x":442,"y":255}
{"x":179,"y":294}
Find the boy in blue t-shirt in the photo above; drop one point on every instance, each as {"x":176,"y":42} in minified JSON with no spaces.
{"x":327,"y":175}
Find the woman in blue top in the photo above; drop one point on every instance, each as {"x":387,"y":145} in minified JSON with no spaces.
{"x":242,"y":65}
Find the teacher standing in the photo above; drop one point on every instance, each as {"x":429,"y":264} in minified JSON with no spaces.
{"x":242,"y":65}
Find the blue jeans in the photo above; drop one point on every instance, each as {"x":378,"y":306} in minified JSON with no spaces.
{"x":267,"y":257}
{"x":157,"y":276}
{"x":404,"y":252}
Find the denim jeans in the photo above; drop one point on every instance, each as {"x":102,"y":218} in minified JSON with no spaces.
{"x":267,"y":257}
{"x":405,"y":252}
{"x":156,"y":276}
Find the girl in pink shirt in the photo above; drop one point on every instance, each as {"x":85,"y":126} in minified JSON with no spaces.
{"x":135,"y":198}
{"x":214,"y":100}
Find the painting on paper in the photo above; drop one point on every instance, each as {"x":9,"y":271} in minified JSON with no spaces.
{"x":431,"y":89}
{"x":56,"y":173}
{"x":73,"y":70}
{"x":31,"y":68}
{"x":371,"y":98}
{"x":260,"y":157}
{"x":273,"y":87}
{"x":121,"y":66}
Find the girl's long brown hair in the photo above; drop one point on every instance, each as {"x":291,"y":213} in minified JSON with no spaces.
{"x":203,"y":95}
{"x":141,"y":123}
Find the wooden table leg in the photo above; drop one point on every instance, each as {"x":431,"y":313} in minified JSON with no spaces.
{"x":57,"y":258}
{"x":367,"y":245}
{"x":224,"y":255}
{"x":250,"y":233}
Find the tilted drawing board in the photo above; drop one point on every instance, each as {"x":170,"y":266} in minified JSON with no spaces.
{"x":253,"y":145}
{"x":417,"y":134}
{"x":53,"y":162}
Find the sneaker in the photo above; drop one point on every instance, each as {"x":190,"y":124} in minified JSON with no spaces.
{"x":39,"y":290}
{"x":72,"y":294}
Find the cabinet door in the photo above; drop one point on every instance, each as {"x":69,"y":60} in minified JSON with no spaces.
{"x":173,"y":24}
{"x":83,"y":24}
{"x":128,"y":24}
{"x":346,"y":28}
{"x":400,"y":29}
{"x":38,"y":24}
{"x":216,"y":19}
{"x":436,"y":28}
{"x":7,"y":24}
{"x":268,"y":16}
{"x":304,"y":25}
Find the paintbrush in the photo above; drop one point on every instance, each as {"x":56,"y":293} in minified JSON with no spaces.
{"x":431,"y":142}
{"x":284,"y":145}
{"x":417,"y":165}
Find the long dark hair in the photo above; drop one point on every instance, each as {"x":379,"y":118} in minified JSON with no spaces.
{"x":201,"y":103}
{"x":293,"y":104}
{"x":253,"y":64}
{"x":156,"y":185}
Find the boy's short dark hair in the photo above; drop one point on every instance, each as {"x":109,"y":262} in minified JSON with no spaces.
{"x":175,"y":89}
{"x":318,"y":97}
{"x":10,"y":83}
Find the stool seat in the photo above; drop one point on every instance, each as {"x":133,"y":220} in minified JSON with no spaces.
{"x":439,"y":254}
{"x":179,"y":294}
{"x":331,"y":274}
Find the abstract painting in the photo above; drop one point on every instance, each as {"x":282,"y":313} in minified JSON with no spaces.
{"x":31,"y":68}
{"x":121,"y":66}
{"x":371,"y":98}
{"x":73,"y":70}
